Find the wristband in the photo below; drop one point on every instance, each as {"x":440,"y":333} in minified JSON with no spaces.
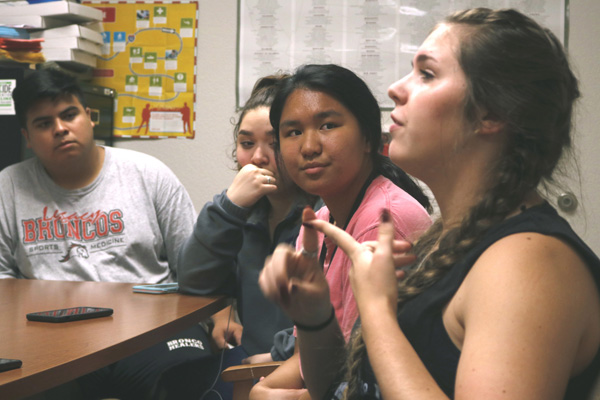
{"x":315,"y":328}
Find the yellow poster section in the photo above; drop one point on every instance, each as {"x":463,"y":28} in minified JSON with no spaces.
{"x":149,"y":58}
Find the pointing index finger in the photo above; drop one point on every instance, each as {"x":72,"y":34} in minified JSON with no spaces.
{"x":310,"y":240}
{"x":386,"y":233}
{"x":344,"y":241}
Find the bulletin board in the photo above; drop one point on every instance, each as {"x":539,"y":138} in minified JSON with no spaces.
{"x":376,"y":39}
{"x":149,"y":58}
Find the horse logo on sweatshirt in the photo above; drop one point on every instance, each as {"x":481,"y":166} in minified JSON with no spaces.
{"x":75,"y":250}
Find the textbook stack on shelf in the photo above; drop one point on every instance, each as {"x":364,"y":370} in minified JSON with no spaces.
{"x":46,"y":15}
{"x":70,"y":32}
{"x":76,"y":43}
{"x":90,"y":32}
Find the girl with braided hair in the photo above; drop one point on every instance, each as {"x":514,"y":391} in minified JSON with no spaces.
{"x":502,"y":298}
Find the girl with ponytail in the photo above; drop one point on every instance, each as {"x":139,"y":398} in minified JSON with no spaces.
{"x":502,"y":297}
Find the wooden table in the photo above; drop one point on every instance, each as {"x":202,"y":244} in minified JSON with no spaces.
{"x":53,"y":354}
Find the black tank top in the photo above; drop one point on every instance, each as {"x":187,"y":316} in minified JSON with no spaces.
{"x":421,"y":317}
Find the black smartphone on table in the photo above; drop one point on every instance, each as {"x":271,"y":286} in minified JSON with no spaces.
{"x":70,"y":314}
{"x":6,"y":364}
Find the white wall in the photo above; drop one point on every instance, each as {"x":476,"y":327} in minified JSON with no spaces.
{"x":204,"y":165}
{"x":584,"y":48}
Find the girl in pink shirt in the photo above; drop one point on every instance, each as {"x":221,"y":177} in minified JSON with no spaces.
{"x":328,"y":133}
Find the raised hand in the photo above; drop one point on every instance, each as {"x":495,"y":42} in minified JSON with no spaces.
{"x":250,"y":184}
{"x":375,"y":264}
{"x":295,"y":280}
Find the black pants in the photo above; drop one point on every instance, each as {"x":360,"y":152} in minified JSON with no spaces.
{"x":140,"y":375}
{"x":200,"y":379}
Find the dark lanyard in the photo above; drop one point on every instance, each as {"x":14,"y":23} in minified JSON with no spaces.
{"x":355,"y":206}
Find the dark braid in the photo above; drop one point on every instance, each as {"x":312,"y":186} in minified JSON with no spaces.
{"x":517,"y":72}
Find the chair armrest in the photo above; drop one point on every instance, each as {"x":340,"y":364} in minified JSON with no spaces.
{"x":249,"y":371}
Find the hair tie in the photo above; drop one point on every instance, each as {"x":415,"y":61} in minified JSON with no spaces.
{"x":316,"y":328}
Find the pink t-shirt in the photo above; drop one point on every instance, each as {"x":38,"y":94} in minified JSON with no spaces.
{"x":410,"y":221}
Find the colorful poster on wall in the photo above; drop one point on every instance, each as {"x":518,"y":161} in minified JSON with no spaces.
{"x":149,"y":58}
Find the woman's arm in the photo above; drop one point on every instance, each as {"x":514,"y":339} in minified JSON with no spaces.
{"x":208,"y":258}
{"x":399,"y":370}
{"x":284,"y":383}
{"x":526,"y":318}
{"x":296,"y":282}
{"x":322,"y":354}
{"x":531,"y":316}
{"x":300,"y":288}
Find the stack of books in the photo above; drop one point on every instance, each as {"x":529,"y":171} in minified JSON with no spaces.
{"x":74,"y":43}
{"x":69,"y":32}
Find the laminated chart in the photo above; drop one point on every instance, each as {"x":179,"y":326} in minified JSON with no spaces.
{"x":376,"y":39}
{"x":149,"y":58}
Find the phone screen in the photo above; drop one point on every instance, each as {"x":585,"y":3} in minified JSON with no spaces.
{"x":69,"y":314}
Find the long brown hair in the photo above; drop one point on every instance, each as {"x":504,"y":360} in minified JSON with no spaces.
{"x":518,"y":72}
